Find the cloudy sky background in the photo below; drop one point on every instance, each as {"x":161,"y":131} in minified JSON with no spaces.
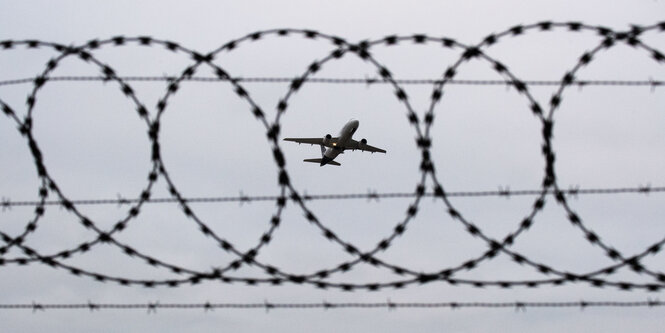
{"x":484,"y":137}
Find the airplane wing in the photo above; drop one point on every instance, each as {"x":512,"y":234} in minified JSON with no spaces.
{"x":311,"y":141}
{"x":353,"y":144}
{"x":314,"y":141}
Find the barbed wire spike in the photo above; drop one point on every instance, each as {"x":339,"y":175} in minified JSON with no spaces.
{"x":574,"y":190}
{"x":243,"y":199}
{"x":207,"y":307}
{"x":92,"y":307}
{"x":6,"y":204}
{"x":372,"y":195}
{"x":520,"y":306}
{"x":453,"y":306}
{"x":152,"y":307}
{"x":390,"y":305}
{"x":370,"y":81}
{"x":652,"y":303}
{"x":121,"y":200}
{"x":268,"y":306}
{"x":168,"y":78}
{"x":504,"y":191}
{"x":37,"y":307}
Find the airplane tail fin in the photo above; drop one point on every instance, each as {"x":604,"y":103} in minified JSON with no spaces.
{"x":318,"y":160}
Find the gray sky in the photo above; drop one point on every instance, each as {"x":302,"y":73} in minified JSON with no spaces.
{"x":484,"y":137}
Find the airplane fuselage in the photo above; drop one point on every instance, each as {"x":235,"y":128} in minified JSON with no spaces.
{"x":345,"y":135}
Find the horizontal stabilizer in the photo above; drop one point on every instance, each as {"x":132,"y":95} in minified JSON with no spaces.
{"x":318,"y":160}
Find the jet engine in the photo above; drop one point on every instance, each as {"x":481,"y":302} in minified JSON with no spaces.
{"x":326,"y":139}
{"x":362,"y":144}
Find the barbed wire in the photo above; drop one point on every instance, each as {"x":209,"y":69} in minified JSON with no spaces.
{"x":152,"y":307}
{"x":7,"y":203}
{"x":421,"y":125}
{"x":367,"y":81}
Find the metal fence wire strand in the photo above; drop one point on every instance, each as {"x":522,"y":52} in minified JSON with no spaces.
{"x":366,"y":81}
{"x":152,"y":307}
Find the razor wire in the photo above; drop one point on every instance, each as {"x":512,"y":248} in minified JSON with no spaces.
{"x":321,"y":278}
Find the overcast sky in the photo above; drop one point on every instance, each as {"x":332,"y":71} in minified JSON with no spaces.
{"x":484,"y":138}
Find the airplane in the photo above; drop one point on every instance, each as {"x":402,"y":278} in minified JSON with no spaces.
{"x":333,"y":146}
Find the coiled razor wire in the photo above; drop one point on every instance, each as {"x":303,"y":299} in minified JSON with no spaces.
{"x":321,"y":278}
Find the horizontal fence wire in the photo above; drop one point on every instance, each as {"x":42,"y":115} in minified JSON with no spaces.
{"x":7,"y":203}
{"x":367,"y":81}
{"x":152,"y":307}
